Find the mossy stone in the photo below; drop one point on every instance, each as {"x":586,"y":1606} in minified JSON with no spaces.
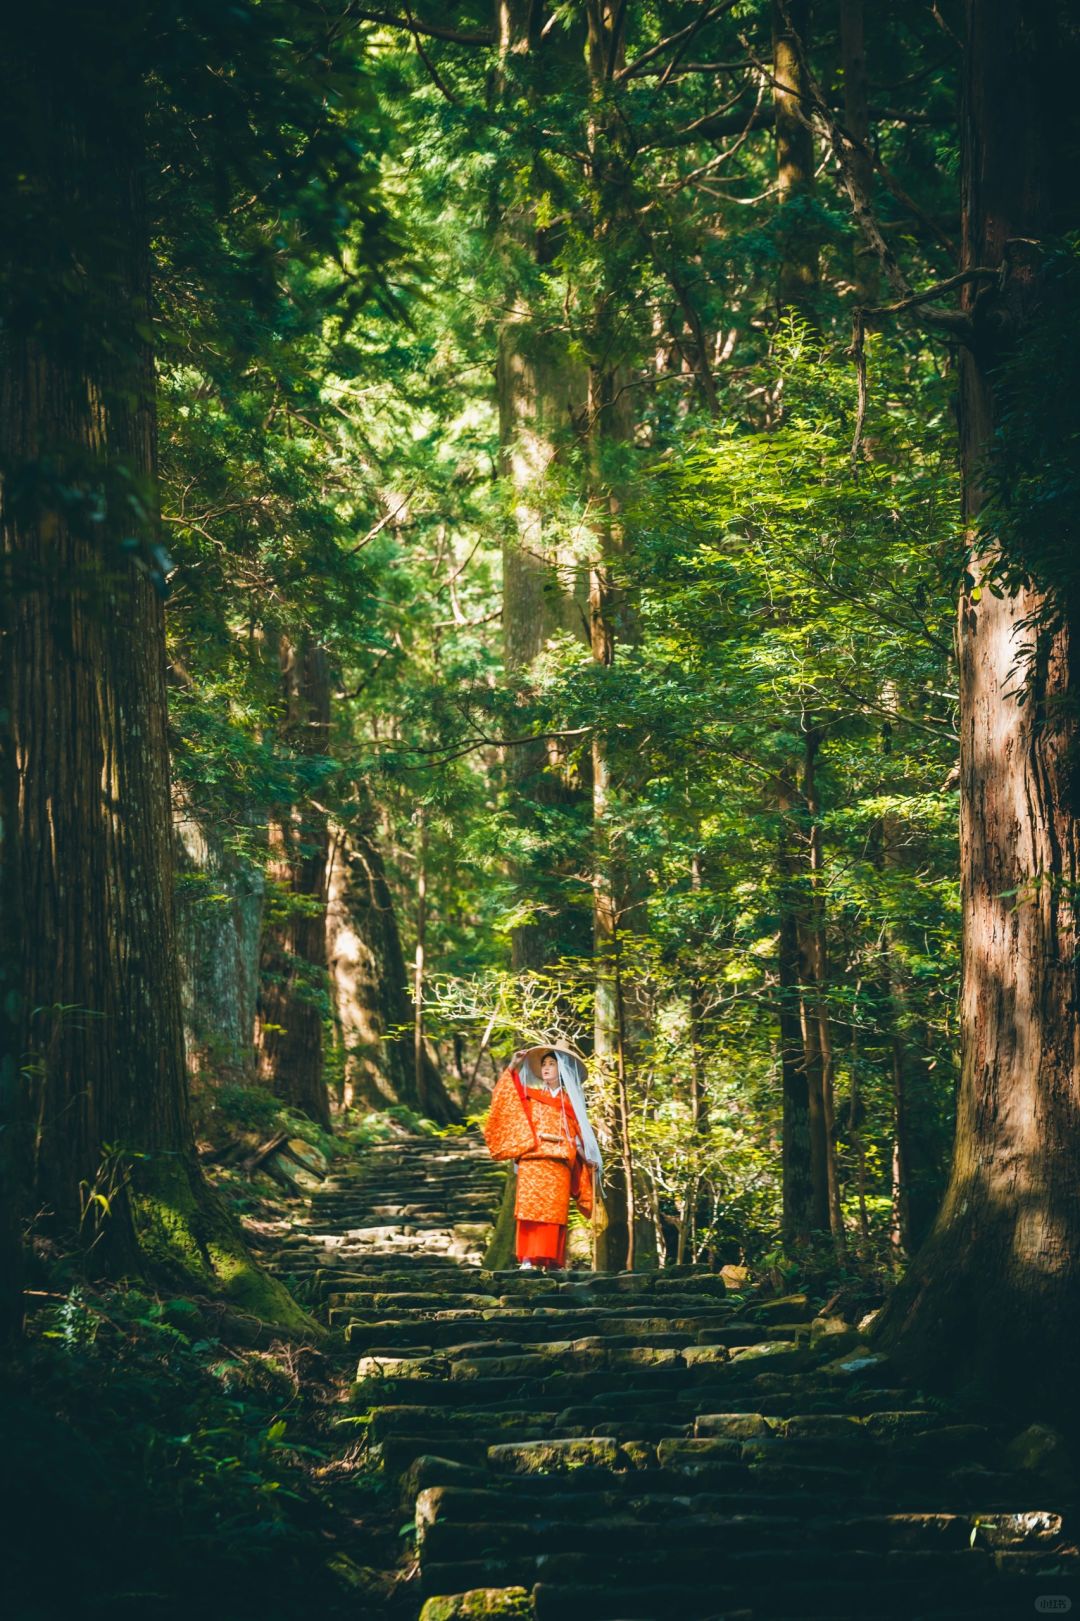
{"x":478,"y":1604}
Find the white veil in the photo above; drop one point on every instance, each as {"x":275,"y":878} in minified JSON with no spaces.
{"x":571,"y":1072}
{"x":571,"y":1077}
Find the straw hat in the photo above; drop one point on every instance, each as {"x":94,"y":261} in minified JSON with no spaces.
{"x":532,"y":1055}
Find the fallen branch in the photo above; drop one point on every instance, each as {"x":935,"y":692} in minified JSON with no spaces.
{"x":253,"y":1161}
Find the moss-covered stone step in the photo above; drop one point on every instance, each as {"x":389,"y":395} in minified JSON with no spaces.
{"x":913,"y":1599}
{"x":444,"y":1329}
{"x":563,"y":1387}
{"x":482,"y":1604}
{"x":563,"y":1510}
{"x":901,"y":1587}
{"x":690,"y":1544}
{"x":399,"y":1300}
{"x":437,"y":1424}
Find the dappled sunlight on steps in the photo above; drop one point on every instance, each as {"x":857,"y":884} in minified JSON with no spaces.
{"x":615,"y":1446}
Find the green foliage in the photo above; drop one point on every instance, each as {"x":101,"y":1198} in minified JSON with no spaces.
{"x":195,"y":1465}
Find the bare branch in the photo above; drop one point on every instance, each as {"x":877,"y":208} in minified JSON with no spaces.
{"x":426,"y":59}
{"x":710,"y":14}
{"x":448,"y":754}
{"x":847,"y":149}
{"x":713,"y":126}
{"x":456,"y":36}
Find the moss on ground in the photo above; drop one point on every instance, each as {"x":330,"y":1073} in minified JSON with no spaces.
{"x":187,"y":1235}
{"x":502,"y":1251}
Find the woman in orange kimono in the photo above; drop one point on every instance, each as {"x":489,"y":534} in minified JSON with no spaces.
{"x":538,"y":1119}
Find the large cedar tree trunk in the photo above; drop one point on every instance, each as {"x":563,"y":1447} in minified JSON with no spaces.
{"x":994,"y":1295}
{"x":112,"y":1163}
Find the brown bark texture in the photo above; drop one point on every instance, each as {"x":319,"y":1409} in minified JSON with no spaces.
{"x":995,"y":1292}
{"x":800,"y":1214}
{"x":865,"y":270}
{"x":373,"y":1010}
{"x":539,"y":391}
{"x":13,"y":1124}
{"x":293,"y":982}
{"x":219,"y":912}
{"x":109,"y":1161}
{"x":797,"y":286}
{"x":805,"y":1149}
{"x":85,"y":664}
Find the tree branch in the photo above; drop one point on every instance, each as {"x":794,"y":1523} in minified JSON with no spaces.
{"x":616,"y":36}
{"x":456,"y":36}
{"x":713,"y":126}
{"x":846,"y":148}
{"x":711,"y":13}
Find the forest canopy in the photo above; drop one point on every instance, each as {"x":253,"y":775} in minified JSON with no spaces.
{"x":486,"y":493}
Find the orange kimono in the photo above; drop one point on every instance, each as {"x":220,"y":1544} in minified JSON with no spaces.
{"x":539,"y":1130}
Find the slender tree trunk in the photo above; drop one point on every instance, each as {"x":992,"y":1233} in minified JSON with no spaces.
{"x":613,"y":1226}
{"x":539,"y":390}
{"x":800,"y":1215}
{"x":900,"y":1215}
{"x":219,"y":914}
{"x":995,"y":1291}
{"x":618,"y":895}
{"x":855,"y":1132}
{"x":699,"y":1097}
{"x":865,"y":271}
{"x":805,"y":1149}
{"x":13,"y":1126}
{"x":797,"y":285}
{"x":819,"y":1014}
{"x":293,"y":1000}
{"x":420,"y":1057}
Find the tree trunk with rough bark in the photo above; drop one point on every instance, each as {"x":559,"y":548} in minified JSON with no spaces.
{"x":219,"y":912}
{"x":817,"y":962}
{"x":865,"y":271}
{"x":800,"y":1215}
{"x":540,"y":390}
{"x":797,"y":285}
{"x":994,"y":1294}
{"x":13,"y":1126}
{"x":373,"y":1010}
{"x":112,"y":1164}
{"x":806,"y":1147}
{"x":293,"y":1002}
{"x":624,"y":1234}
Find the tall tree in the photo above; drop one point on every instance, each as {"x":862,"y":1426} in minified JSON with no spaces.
{"x":91,"y":93}
{"x":998,"y":1275}
{"x":12,"y":931}
{"x":85,"y":652}
{"x":808,"y":1202}
{"x":369,"y":981}
{"x":539,"y":391}
{"x":293,"y":1000}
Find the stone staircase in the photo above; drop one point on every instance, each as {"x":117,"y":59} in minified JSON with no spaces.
{"x":653,"y":1445}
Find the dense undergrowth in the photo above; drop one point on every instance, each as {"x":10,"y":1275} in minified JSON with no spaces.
{"x":165,"y":1454}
